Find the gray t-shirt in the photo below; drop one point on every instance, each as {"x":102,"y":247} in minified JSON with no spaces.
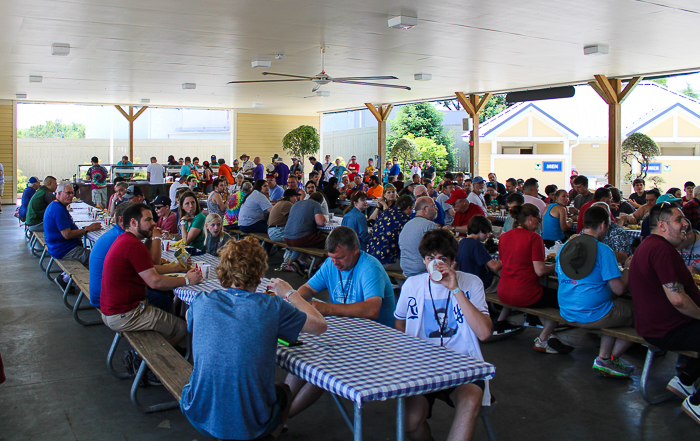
{"x":409,"y":239}
{"x":253,"y":209}
{"x":301,"y":221}
{"x":442,"y":197}
{"x":582,"y":200}
{"x":156,"y":170}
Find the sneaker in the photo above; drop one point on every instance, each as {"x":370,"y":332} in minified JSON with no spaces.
{"x":679,"y":388}
{"x":128,"y":361}
{"x":297,"y":268}
{"x":692,"y":410}
{"x":503,"y":327}
{"x":552,"y":346}
{"x":612,"y":368}
{"x":532,"y":321}
{"x":151,"y":379}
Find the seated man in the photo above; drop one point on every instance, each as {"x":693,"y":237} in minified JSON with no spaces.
{"x":472,"y":257}
{"x":642,"y":212}
{"x":32,"y":185}
{"x":358,"y":287}
{"x":421,"y":190}
{"x":293,"y":183}
{"x":118,"y":196}
{"x":37,"y":204}
{"x":60,"y":232}
{"x":375,"y":190}
{"x":464,"y":211}
{"x":666,"y":299}
{"x":412,"y":233}
{"x":588,"y":278}
{"x":127,"y":273}
{"x":245,"y":403}
{"x":458,"y":298}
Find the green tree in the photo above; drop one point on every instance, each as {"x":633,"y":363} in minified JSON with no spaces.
{"x":689,"y":91}
{"x":53,"y":129}
{"x":429,"y":149}
{"x":640,"y":148}
{"x":404,"y":149}
{"x":493,"y":107}
{"x":302,"y":141}
{"x":421,"y":120}
{"x":662,"y":81}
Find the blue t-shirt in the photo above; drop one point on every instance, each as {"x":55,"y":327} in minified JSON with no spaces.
{"x":124,"y":164}
{"x":472,"y":258}
{"x":234,"y":341}
{"x":97,"y":260}
{"x":276,"y":193}
{"x":186,"y":169}
{"x":365,"y":280}
{"x":26,"y":197}
{"x":358,"y":222}
{"x":394,"y":170}
{"x":589,"y":299}
{"x":301,"y":221}
{"x":259,"y":172}
{"x":57,"y":218}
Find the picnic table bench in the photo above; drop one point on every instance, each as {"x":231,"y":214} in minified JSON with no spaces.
{"x":624,"y":333}
{"x":80,"y":277}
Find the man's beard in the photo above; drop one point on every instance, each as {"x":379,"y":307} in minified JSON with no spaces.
{"x":145,"y":233}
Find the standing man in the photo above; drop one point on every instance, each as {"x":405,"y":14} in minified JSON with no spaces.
{"x":123,"y":165}
{"x":428,"y":171}
{"x":247,"y":167}
{"x":415,"y":168}
{"x":225,"y":172}
{"x":296,"y":165}
{"x":369,"y":170}
{"x":155,"y":173}
{"x":531,"y":194}
{"x":37,"y":204}
{"x":32,"y":185}
{"x":317,"y":167}
{"x":188,"y":168}
{"x":476,"y":195}
{"x":328,"y":168}
{"x":97,"y":176}
{"x":395,"y":168}
{"x":173,"y":191}
{"x":412,"y":234}
{"x":666,"y":299}
{"x":258,"y":170}
{"x":276,"y":192}
{"x":499,"y":187}
{"x":281,"y":172}
{"x":358,"y":286}
{"x":353,"y":168}
{"x":442,"y":198}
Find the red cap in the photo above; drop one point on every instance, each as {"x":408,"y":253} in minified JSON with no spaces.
{"x":456,"y":195}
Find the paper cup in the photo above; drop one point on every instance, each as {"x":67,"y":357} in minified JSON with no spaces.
{"x":205,"y":270}
{"x":433,"y":272}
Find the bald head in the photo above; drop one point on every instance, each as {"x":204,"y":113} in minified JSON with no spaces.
{"x":419,"y":191}
{"x":423,"y":202}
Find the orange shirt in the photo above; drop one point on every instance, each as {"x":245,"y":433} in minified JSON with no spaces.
{"x":225,"y":171}
{"x":375,"y":192}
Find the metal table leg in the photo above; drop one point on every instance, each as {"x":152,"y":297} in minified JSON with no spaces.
{"x":343,"y":412}
{"x":358,"y":422}
{"x":110,"y":356}
{"x":400,"y":419}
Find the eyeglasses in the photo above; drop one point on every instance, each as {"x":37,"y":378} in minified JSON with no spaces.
{"x":158,"y":207}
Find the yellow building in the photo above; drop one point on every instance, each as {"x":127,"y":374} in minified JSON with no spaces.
{"x":549,"y":140}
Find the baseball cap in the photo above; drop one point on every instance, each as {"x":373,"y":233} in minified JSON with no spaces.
{"x":132,"y":191}
{"x":269,"y":175}
{"x":295,"y":159}
{"x":477,"y":180}
{"x":33,"y":180}
{"x":491,"y":185}
{"x":161,"y":200}
{"x":666,"y":198}
{"x":456,"y":195}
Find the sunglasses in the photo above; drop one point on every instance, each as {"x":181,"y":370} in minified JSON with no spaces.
{"x":158,"y":207}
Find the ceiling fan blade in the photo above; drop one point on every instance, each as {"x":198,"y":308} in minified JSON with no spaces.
{"x":287,"y":75}
{"x":360,"y":83}
{"x":366,"y":78}
{"x":261,"y":81}
{"x":316,"y":87}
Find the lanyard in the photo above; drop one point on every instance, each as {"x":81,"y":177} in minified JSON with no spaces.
{"x":346,"y":287}
{"x":442,"y":325}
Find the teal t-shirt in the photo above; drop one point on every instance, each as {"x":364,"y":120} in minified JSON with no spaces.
{"x":198,"y":222}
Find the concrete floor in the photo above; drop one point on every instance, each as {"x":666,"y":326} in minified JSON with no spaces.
{"x":58,"y":386}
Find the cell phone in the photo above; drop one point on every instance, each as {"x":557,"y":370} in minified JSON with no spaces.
{"x":290,"y":344}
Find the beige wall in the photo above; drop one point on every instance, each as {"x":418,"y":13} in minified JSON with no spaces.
{"x":7,"y":150}
{"x":345,"y":143}
{"x":523,"y":166}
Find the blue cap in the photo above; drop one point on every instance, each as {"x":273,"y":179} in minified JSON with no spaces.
{"x":33,"y":180}
{"x":478,"y":180}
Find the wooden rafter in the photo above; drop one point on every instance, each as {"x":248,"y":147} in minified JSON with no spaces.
{"x":131,"y":118}
{"x":381,"y":114}
{"x":473,"y":105}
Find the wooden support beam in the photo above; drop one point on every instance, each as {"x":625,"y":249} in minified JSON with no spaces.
{"x":628,"y":89}
{"x":381,"y":114}
{"x":473,"y":105}
{"x":131,"y":118}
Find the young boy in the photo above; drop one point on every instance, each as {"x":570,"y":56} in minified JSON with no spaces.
{"x":451,"y":313}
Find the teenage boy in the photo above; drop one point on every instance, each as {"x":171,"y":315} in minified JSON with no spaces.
{"x":451,"y":313}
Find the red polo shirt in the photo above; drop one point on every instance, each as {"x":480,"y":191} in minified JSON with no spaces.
{"x":462,"y":219}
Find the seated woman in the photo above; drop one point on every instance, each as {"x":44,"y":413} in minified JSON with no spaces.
{"x":191,"y":220}
{"x":254,"y":209}
{"x":247,"y":404}
{"x":214,"y":235}
{"x":555,"y":220}
{"x":472,"y":256}
{"x":388,"y":199}
{"x":384,"y":244}
{"x":238,"y":186}
{"x":355,"y":218}
{"x":521,"y":251}
{"x":233,"y":206}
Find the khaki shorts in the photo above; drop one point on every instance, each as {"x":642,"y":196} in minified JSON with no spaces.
{"x":144,"y":318}
{"x":99,"y":196}
{"x":2,"y":189}
{"x":621,"y":314}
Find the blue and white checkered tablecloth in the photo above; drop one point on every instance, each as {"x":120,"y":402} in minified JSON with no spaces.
{"x":501,"y":218}
{"x":330,"y":226}
{"x":362,"y":361}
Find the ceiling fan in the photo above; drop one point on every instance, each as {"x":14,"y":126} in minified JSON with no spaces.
{"x":322,"y":78}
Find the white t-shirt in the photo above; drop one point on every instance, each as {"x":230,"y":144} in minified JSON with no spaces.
{"x":172,"y":192}
{"x":539,"y":203}
{"x":156,"y":170}
{"x":691,"y":255}
{"x":328,"y":171}
{"x":415,"y":171}
{"x":415,"y":306}
{"x":473,"y":198}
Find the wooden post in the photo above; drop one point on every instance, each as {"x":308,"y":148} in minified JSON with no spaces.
{"x":473,"y":106}
{"x":131,"y":118}
{"x":610,"y":90}
{"x":381,"y":114}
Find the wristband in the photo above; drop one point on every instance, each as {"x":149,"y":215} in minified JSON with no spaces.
{"x":187,"y":282}
{"x":455,"y":291}
{"x":291,"y":291}
{"x":157,"y":237}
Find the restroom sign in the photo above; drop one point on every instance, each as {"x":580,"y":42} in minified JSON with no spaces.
{"x":552,"y":166}
{"x":654,"y":167}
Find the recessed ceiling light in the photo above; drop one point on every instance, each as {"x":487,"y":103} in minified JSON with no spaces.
{"x":280,"y":56}
{"x":596,"y":49}
{"x":61,"y":49}
{"x":257,"y":105}
{"x":20,"y":95}
{"x":323,"y":93}
{"x":402,"y":22}
{"x":35,"y":78}
{"x":261,"y":63}
{"x":145,"y":100}
{"x":423,"y":77}
{"x":189,"y":85}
